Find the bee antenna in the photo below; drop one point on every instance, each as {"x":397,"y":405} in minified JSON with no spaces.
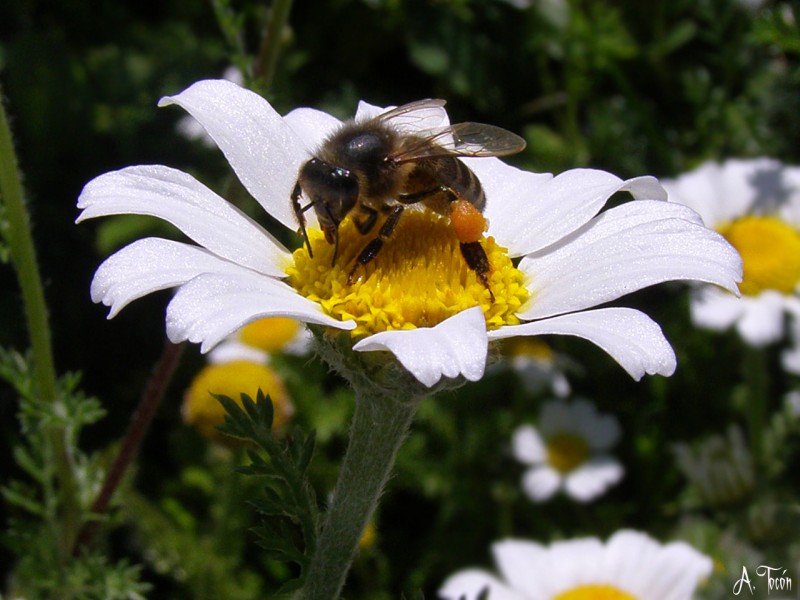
{"x":305,"y":238}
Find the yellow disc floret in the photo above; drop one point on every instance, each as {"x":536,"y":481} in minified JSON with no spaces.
{"x":566,"y":451}
{"x":270,"y":334}
{"x":770,"y":252}
{"x":232,"y":379}
{"x":595,"y":592}
{"x":418,"y":279}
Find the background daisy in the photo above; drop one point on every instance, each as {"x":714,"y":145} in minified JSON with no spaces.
{"x":629,"y":566}
{"x":755,"y":204}
{"x":568,"y":450}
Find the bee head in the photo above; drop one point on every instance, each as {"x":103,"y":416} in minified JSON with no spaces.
{"x":333,"y":192}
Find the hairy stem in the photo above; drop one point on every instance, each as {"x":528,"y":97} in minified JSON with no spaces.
{"x":380,"y":424}
{"x":23,"y":255}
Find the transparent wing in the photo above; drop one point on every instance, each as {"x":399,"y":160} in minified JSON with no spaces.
{"x":422,"y":115}
{"x":462,"y":139}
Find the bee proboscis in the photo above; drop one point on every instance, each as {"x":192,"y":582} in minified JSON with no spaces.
{"x":373,"y":168}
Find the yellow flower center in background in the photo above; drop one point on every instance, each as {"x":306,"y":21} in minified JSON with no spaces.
{"x":418,"y":279}
{"x":770,"y":252}
{"x":529,"y":347}
{"x":231,"y":379}
{"x":270,"y":334}
{"x":595,"y":592}
{"x":565,"y":451}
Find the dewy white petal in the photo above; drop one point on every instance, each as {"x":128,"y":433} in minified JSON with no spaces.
{"x":210,"y":307}
{"x":180,"y":199}
{"x":527,"y":445}
{"x":470,"y":583}
{"x":557,"y":207}
{"x":149,"y":265}
{"x":263,"y":150}
{"x":634,"y":340}
{"x":456,"y":346}
{"x":622,"y":251}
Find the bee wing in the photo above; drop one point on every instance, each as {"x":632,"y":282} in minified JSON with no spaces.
{"x":420,"y":116}
{"x":463,"y":139}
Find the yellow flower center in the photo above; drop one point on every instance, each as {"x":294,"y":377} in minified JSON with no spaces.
{"x":270,"y":334}
{"x":595,"y":592}
{"x":231,"y":379}
{"x":770,"y":252}
{"x":530,"y":347}
{"x":565,"y":451}
{"x":418,"y":279}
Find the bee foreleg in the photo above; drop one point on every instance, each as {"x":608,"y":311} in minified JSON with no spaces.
{"x":299,"y":214}
{"x":374,"y":246}
{"x":476,"y":259}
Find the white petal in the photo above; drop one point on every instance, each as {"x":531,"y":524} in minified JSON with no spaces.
{"x":555,"y":208}
{"x":715,"y":309}
{"x":631,"y":338}
{"x":210,"y":307}
{"x":527,"y":445}
{"x":264,"y":152}
{"x":627,"y":248}
{"x":529,"y":568}
{"x":724,"y":192}
{"x":149,"y":265}
{"x":645,"y":568}
{"x":311,"y":125}
{"x":180,"y":199}
{"x":593,"y":478}
{"x":469,"y":584}
{"x":540,"y":483}
{"x":762,"y":320}
{"x":556,"y":416}
{"x":232,"y":350}
{"x":456,"y":346}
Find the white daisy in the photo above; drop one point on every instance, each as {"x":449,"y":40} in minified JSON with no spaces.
{"x":568,"y":451}
{"x":629,"y":566}
{"x":572,"y":258}
{"x":755,"y":204}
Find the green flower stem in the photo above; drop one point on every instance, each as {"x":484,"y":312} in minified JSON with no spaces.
{"x":271,"y":43}
{"x":757,"y":380}
{"x":23,"y":255}
{"x":380,"y":425}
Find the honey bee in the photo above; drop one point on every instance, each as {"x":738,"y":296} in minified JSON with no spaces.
{"x":370,"y":168}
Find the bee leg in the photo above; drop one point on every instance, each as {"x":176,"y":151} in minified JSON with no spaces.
{"x":371,"y":250}
{"x":417,"y":196}
{"x":299,"y":214}
{"x":365,"y":226}
{"x":476,"y":259}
